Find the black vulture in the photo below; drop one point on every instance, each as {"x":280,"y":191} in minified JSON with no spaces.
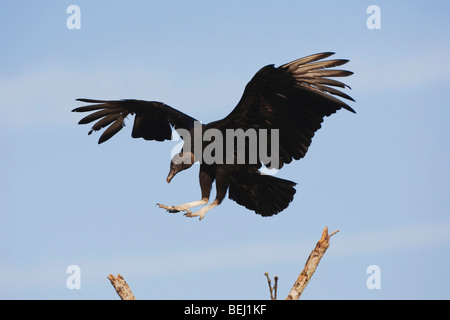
{"x":290,"y":100}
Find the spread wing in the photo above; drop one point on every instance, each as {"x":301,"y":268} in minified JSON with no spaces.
{"x":153,"y":120}
{"x":293,"y":98}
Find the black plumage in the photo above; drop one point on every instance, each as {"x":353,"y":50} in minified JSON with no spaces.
{"x":293,"y":98}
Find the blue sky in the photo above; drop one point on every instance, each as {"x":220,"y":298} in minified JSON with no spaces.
{"x":380,"y":176}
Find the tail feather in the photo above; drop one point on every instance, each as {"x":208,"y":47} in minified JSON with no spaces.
{"x":264,"y":194}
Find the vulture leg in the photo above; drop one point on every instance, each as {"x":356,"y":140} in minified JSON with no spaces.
{"x":221,"y":190}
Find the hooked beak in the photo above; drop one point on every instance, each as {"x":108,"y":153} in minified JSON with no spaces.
{"x":170,"y":176}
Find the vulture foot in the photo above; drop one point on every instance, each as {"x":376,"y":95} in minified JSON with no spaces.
{"x":174,"y":209}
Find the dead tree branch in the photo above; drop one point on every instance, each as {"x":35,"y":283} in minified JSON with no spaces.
{"x":310,"y":265}
{"x":273,"y":291}
{"x":121,"y":286}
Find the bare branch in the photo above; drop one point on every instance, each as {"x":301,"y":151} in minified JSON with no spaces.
{"x":273,"y":291}
{"x":275,"y":287}
{"x":310,"y":265}
{"x":121,"y":286}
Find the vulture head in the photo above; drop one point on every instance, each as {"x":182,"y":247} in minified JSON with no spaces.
{"x":180,"y":162}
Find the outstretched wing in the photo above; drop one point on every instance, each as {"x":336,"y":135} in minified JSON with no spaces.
{"x":153,"y":120}
{"x":293,"y":98}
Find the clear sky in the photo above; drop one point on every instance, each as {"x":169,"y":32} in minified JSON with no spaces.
{"x":380,"y":176}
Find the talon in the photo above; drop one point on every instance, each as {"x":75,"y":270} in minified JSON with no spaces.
{"x":189,"y":213}
{"x":198,"y":214}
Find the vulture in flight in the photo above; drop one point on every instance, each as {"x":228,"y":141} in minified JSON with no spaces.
{"x":290,"y":100}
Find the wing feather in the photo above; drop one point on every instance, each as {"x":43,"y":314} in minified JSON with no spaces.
{"x":302,"y":61}
{"x":112,"y":130}
{"x":106,"y":121}
{"x":96,"y":115}
{"x":154,"y":120}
